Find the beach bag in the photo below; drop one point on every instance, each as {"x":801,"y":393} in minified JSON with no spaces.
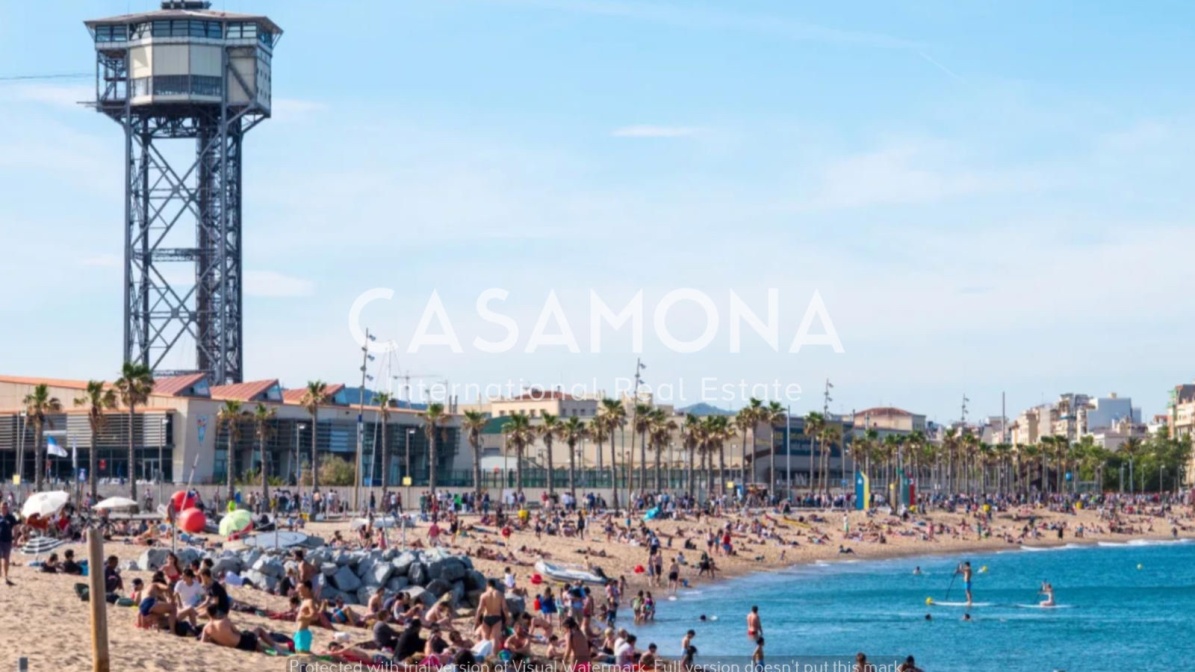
{"x":83,"y":591}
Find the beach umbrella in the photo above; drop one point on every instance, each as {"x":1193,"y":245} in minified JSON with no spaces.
{"x":44,"y":504}
{"x":116,"y":503}
{"x":236,"y":521}
{"x":192,"y":520}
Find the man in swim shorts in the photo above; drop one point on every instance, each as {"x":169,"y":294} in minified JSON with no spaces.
{"x":754,"y":624}
{"x":965,"y":570}
{"x":220,"y":630}
{"x":491,"y":611}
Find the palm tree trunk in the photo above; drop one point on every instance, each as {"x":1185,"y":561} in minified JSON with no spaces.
{"x":92,"y":461}
{"x":314,"y":455}
{"x":659,"y":449}
{"x":613,"y":473}
{"x":38,"y":457}
{"x":551,"y":475}
{"x":572,"y":470}
{"x":431,"y":464}
{"x":721,"y":467}
{"x":386,"y":466}
{"x":476,"y":474}
{"x":772,"y":467}
{"x":231,"y":463}
{"x":132,"y":459}
{"x":743,"y":460}
{"x":707,"y":465}
{"x":265,"y":484}
{"x":689,"y":476}
{"x":643,"y":461}
{"x":814,"y":445}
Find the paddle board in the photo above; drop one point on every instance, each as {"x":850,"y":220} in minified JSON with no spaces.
{"x":1042,"y":606}
{"x":961,"y":604}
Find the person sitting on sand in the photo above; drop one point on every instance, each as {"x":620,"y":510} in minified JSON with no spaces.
{"x":310,"y":612}
{"x":440,"y":613}
{"x":188,"y":595}
{"x":221,"y":631}
{"x":344,"y":615}
{"x":112,"y":581}
{"x":51,"y":566}
{"x":519,"y":643}
{"x":156,"y":601}
{"x":69,"y":566}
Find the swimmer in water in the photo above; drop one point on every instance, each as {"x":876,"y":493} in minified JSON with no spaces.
{"x":967,"y":617}
{"x":965,"y":570}
{"x":1048,"y":591}
{"x":917,"y":571}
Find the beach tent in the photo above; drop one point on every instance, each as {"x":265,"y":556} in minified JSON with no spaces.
{"x":652,"y":513}
{"x":39,"y":545}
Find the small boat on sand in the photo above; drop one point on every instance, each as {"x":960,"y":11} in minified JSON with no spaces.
{"x":569,"y":573}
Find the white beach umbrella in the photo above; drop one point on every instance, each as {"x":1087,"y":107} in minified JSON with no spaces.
{"x":116,"y":503}
{"x":44,"y":504}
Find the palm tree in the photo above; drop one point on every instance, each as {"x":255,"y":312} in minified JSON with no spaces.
{"x":473,"y":424}
{"x":691,"y":437}
{"x":831,"y":436}
{"x":383,"y":400}
{"x":519,"y":434}
{"x":133,"y":387}
{"x":434,"y":420}
{"x":613,"y":415}
{"x":98,"y":400}
{"x":38,"y":405}
{"x":314,"y":396}
{"x":572,"y":432}
{"x":549,"y":430}
{"x":815,"y":425}
{"x":263,"y":428}
{"x":230,"y":417}
{"x":599,"y":434}
{"x":641,"y":421}
{"x":776,"y":416}
{"x":1132,"y":448}
{"x":659,"y":432}
{"x":745,"y":421}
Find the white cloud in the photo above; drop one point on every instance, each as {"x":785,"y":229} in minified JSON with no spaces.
{"x":269,"y":284}
{"x":655,"y":131}
{"x":290,"y":108}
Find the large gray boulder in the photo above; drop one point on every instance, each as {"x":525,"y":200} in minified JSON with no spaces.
{"x":397,"y":583}
{"x":378,"y":574}
{"x":418,"y":574}
{"x":226,"y":564}
{"x":458,"y":593}
{"x":390,"y":554}
{"x":402,"y":564}
{"x":345,"y":580}
{"x":474,"y":580}
{"x":153,"y":559}
{"x":447,"y":569}
{"x":251,"y":556}
{"x":438,"y":587}
{"x":269,"y":566}
{"x":328,"y":568}
{"x":473,"y":598}
{"x":261,"y":580}
{"x":188,"y":555}
{"x":364,"y":594}
{"x":418,"y":594}
{"x":515,"y":605}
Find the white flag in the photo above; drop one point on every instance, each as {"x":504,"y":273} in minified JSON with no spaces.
{"x":53,"y":448}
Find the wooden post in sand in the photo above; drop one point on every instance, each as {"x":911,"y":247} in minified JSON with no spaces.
{"x":99,"y":605}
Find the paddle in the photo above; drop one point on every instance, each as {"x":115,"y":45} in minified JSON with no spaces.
{"x":948,"y":588}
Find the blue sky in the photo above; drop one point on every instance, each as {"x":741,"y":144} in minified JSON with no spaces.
{"x":988,"y":196}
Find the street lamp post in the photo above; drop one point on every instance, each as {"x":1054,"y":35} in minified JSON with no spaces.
{"x":407,"y":474}
{"x":162,"y":455}
{"x":22,"y":423}
{"x":297,"y":468}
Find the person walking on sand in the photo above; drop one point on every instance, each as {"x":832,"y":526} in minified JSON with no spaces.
{"x":492,"y":614}
{"x":754,"y":624}
{"x":8,"y":526}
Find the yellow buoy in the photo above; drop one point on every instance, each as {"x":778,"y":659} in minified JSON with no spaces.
{"x":929,"y":601}
{"x":983,"y":570}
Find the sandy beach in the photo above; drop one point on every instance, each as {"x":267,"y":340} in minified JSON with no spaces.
{"x":43,"y":620}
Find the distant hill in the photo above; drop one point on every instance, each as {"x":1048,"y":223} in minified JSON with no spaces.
{"x":703,"y":408}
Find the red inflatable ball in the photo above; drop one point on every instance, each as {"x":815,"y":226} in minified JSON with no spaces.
{"x":536,"y":579}
{"x":182,"y":500}
{"x":639,"y":569}
{"x":192,"y":520}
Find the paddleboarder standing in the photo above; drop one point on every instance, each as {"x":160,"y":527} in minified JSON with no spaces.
{"x":965,"y":570}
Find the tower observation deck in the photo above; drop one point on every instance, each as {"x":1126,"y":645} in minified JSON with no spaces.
{"x":184,"y":73}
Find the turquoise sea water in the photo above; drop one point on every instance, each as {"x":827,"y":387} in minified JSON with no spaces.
{"x":1113,"y":616}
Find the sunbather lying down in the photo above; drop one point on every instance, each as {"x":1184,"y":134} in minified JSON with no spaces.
{"x":220,"y":630}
